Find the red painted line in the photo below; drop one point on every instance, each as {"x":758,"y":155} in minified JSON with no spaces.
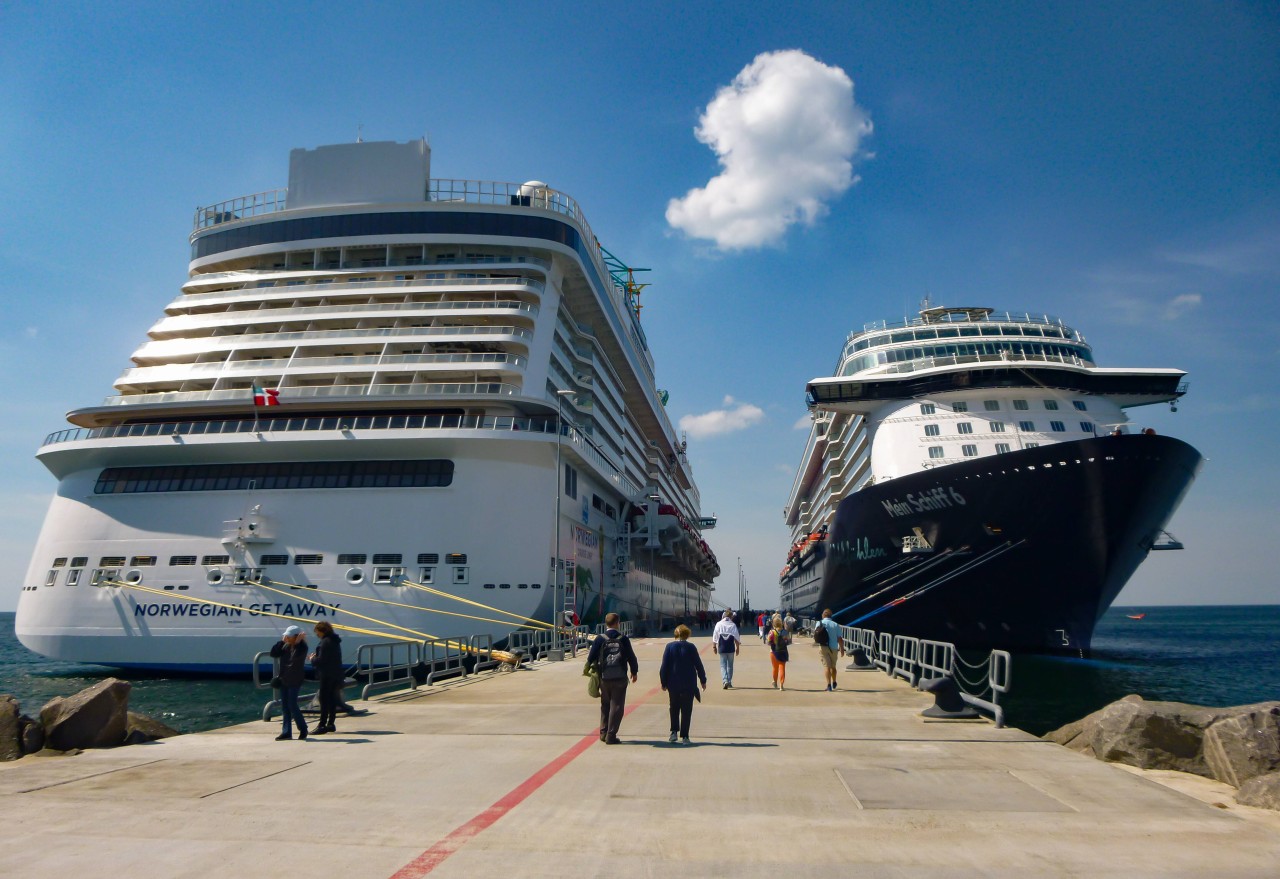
{"x":460,"y":836}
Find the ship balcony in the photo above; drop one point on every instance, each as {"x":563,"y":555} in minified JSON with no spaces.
{"x":323,"y":271}
{"x":185,"y":323}
{"x":168,"y":349}
{"x":1004,"y":358}
{"x":423,"y":390}
{"x":138,"y":377}
{"x":265,"y":289}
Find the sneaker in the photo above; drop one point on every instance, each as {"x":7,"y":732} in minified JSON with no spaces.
{"x":672,"y":738}
{"x":613,"y":740}
{"x":828,"y":688}
{"x":685,"y":741}
{"x":775,"y":685}
{"x":833,"y":685}
{"x":320,"y":730}
{"x":726,"y":685}
{"x":284,"y":737}
{"x":782,"y":686}
{"x":602,"y":737}
{"x":302,"y":734}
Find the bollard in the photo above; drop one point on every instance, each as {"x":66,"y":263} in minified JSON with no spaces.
{"x":861,"y":662}
{"x":946,"y":699}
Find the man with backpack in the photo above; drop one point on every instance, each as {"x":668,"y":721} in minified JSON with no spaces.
{"x":727,"y":642}
{"x":826,"y":634}
{"x":613,"y":655}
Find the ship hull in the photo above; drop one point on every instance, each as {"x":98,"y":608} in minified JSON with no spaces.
{"x":1025,"y":552}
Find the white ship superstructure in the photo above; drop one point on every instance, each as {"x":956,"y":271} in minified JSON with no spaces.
{"x":466,"y":402}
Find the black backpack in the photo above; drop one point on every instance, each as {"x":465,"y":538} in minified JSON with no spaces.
{"x":821,"y":636}
{"x":613,"y":665}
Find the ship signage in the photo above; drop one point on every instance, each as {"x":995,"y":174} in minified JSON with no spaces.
{"x":860,"y":548}
{"x":939,"y":498}
{"x":183,"y":609}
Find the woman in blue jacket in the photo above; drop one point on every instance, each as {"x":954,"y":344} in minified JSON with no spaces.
{"x":680,"y":675}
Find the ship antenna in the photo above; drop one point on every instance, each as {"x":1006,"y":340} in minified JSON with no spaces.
{"x":360,"y":133}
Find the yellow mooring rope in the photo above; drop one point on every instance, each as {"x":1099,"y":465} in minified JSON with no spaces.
{"x":443,"y":594}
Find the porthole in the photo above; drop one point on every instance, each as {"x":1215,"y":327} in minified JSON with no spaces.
{"x":134,"y":576}
{"x":213,"y":578}
{"x":355,"y":576}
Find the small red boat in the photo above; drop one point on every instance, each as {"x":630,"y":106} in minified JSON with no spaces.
{"x":1135,"y":616}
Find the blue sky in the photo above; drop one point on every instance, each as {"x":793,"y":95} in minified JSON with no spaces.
{"x":1114,"y":164}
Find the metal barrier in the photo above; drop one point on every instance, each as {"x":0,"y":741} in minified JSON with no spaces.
{"x":999,"y":678}
{"x":387,"y":664}
{"x":937,"y":657}
{"x":522,"y":643}
{"x":882,"y":656}
{"x":273,"y":706}
{"x":443,"y":659}
{"x":481,"y":649}
{"x":905,"y":652}
{"x":627,"y":627}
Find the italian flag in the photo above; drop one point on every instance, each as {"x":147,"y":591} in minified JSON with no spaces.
{"x":265,"y":396}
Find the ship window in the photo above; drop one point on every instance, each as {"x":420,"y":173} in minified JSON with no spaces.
{"x":969,"y":451}
{"x":274,"y":559}
{"x":932,"y":430}
{"x":490,"y":585}
{"x":216,"y":560}
{"x":112,"y":561}
{"x":387,"y":574}
{"x":286,"y":475}
{"x":935,"y":451}
{"x":51,"y":578}
{"x":1033,"y":445}
{"x":142,"y":561}
{"x":997,"y":427}
{"x":927,"y":408}
{"x":1051,"y":404}
{"x":104,"y":576}
{"x":177,"y":561}
{"x":460,"y":575}
{"x":1079,"y":404}
{"x":1026,"y":425}
{"x":428,"y":558}
{"x":960,"y":407}
{"x":535,"y":585}
{"x":73,"y":576}
{"x":1057,"y":427}
{"x":504,"y":585}
{"x":991,"y":405}
{"x":1020,"y":404}
{"x":964,"y":427}
{"x":570,"y":482}
{"x":387,"y":558}
{"x":426,"y":576}
{"x":60,"y":562}
{"x":308,"y":559}
{"x":456,"y":558}
{"x":1087,"y":426}
{"x":1002,"y":448}
{"x":352,"y":558}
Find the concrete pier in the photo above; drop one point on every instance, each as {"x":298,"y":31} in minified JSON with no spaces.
{"x":503,"y":774}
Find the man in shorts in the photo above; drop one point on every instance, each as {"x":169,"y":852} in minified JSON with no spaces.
{"x":829,"y":649}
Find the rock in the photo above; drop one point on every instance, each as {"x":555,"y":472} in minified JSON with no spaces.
{"x":146,"y":729}
{"x":93,"y":718}
{"x":1149,"y":735}
{"x":1244,"y":744}
{"x":31,"y":734}
{"x":1262,"y":791}
{"x":10,"y":741}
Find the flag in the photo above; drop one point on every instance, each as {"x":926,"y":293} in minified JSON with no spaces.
{"x":265,"y":396}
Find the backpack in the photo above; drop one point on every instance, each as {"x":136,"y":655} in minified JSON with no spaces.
{"x":821,"y":636}
{"x":778,"y":644}
{"x":613,"y":665}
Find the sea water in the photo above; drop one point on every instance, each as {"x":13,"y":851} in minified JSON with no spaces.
{"x":1203,"y":655}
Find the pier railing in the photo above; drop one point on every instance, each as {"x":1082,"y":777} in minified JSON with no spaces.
{"x":919,"y":661}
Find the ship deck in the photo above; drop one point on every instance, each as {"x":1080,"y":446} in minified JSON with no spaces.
{"x":503,"y":773}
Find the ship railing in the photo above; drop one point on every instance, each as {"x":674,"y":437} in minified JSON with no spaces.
{"x":387,"y":665}
{"x":960,"y":359}
{"x":267,"y":202}
{"x":313,"y":422}
{"x":327,"y":288}
{"x":273,"y":706}
{"x":294,"y":392}
{"x":380,"y":332}
{"x":444,"y":658}
{"x":257,"y":367}
{"x":996,"y":317}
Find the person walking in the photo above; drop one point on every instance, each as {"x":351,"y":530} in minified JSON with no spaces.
{"x":826,"y":634}
{"x":291,"y":650}
{"x":728,"y":643}
{"x":760,"y":625}
{"x":613,"y":655}
{"x":680,"y":673}
{"x":778,"y":640}
{"x":327,"y":660}
{"x":790,"y":622}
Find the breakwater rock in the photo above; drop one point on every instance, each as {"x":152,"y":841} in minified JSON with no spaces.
{"x":96,"y":717}
{"x":1232,"y":745}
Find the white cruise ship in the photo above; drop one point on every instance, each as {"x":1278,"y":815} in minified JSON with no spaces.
{"x":413,"y":407}
{"x":971,"y":477}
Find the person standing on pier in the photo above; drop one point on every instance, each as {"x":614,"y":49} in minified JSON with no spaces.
{"x":827,"y":636}
{"x":613,"y":655}
{"x":291,"y":650}
{"x":728,"y":643}
{"x":327,"y":660}
{"x":680,"y":674}
{"x":778,"y":653}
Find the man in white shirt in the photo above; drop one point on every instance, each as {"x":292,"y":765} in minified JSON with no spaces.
{"x":727,"y":642}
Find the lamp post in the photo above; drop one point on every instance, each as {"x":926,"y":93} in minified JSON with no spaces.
{"x":555,"y":558}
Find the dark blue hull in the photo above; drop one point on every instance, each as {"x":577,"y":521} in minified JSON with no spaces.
{"x":1028,"y":549}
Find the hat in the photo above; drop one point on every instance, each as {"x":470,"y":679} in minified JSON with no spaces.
{"x":291,"y":631}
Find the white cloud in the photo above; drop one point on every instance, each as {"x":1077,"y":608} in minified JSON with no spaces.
{"x":1180,"y":305}
{"x":732,"y":417}
{"x":786,"y":132}
{"x":804,"y":422}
